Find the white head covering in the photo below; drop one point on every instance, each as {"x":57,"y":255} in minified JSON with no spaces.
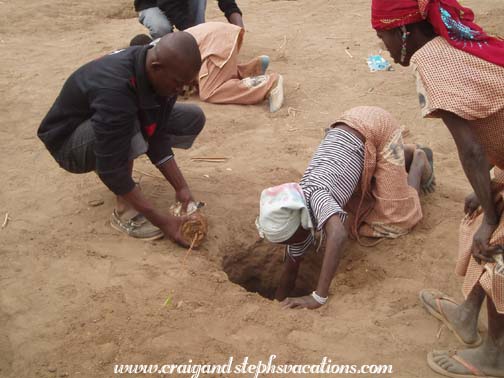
{"x":282,"y":211}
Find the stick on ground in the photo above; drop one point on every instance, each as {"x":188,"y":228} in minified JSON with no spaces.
{"x":211,"y":159}
{"x":439,"y":331}
{"x":6,"y":220}
{"x":190,"y":248}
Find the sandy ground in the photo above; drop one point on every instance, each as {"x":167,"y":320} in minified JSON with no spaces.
{"x":76,"y":297}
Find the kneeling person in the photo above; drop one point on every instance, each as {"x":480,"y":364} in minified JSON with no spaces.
{"x":361,"y":167}
{"x":222,"y":79}
{"x":120,"y":106}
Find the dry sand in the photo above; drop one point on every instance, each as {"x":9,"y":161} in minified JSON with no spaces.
{"x":77,"y":297}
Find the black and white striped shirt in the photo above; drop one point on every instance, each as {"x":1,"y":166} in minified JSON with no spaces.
{"x":330,"y":180}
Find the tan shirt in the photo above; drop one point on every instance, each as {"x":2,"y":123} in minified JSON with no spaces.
{"x":216,"y":41}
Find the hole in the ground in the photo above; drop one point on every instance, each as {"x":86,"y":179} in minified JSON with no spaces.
{"x":258,"y":269}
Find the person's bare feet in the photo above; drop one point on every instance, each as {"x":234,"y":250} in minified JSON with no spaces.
{"x":488,"y":359}
{"x":427,"y":182}
{"x":463,"y":321}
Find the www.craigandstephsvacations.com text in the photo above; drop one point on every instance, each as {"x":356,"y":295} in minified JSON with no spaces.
{"x":247,"y":368}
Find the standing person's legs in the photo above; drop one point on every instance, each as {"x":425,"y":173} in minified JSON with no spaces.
{"x":156,"y":21}
{"x":198,"y":10}
{"x":485,"y":360}
{"x":461,"y":319}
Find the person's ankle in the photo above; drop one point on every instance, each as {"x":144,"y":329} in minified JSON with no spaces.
{"x":467,"y":314}
{"x":120,"y":208}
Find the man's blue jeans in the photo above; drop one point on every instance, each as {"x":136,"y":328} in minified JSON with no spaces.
{"x":158,"y":24}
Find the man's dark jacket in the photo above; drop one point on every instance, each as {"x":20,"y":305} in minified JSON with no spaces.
{"x":114,"y":93}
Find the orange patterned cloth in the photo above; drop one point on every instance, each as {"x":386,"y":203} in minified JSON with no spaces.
{"x":385,"y":205}
{"x":489,"y":275}
{"x":452,"y":80}
{"x":460,"y":83}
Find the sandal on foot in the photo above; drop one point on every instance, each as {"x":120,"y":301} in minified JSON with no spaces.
{"x":474,"y":372}
{"x":439,"y":314}
{"x":137,"y":226}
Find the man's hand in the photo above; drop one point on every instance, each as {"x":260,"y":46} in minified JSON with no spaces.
{"x":172,"y":227}
{"x":471,"y":204}
{"x":236,"y":19}
{"x":301,"y":302}
{"x":480,"y":249}
{"x":184,"y":196}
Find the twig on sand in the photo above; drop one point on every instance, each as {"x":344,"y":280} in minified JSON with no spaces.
{"x":293,"y":111}
{"x":348,"y":53}
{"x":168,"y":301}
{"x":190,"y":248}
{"x":284,"y":43}
{"x":6,"y":220}
{"x":337,"y":38}
{"x":405,"y":131}
{"x":211,"y":159}
{"x":439,"y":331}
{"x":310,"y":97}
{"x":96,"y":202}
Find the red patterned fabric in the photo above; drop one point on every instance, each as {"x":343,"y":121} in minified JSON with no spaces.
{"x":449,"y":19}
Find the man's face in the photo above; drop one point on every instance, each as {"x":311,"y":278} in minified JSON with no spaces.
{"x":170,"y":81}
{"x":393,"y":43}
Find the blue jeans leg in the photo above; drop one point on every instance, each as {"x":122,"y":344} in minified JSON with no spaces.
{"x":198,"y":9}
{"x":156,"y":21}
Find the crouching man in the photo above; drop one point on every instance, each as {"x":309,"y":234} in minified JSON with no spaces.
{"x":118,"y":107}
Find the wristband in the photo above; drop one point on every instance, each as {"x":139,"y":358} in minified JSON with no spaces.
{"x":318,"y":298}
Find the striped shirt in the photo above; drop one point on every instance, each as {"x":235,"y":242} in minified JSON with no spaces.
{"x":330,"y":180}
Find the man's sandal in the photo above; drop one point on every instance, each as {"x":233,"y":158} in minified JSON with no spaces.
{"x":438,"y":313}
